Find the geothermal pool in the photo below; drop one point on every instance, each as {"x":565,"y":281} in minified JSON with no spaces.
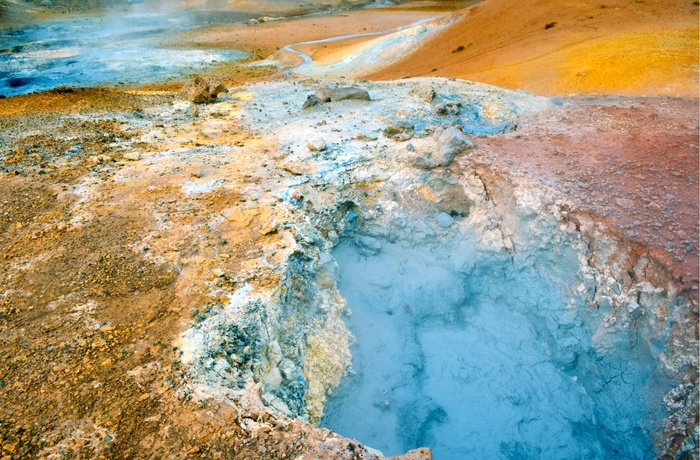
{"x":104,"y":50}
{"x":483,"y":355}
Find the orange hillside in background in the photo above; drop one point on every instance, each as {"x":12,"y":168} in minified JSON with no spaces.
{"x":630,"y":47}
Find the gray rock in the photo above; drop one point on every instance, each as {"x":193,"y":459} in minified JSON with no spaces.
{"x":445,"y":220}
{"x":447,"y":108}
{"x":311,"y":101}
{"x":557,"y":101}
{"x":424,"y":162}
{"x":616,"y":289}
{"x":451,"y":141}
{"x":341,"y":94}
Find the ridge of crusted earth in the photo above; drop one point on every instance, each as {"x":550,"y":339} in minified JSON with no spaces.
{"x":167,"y":285}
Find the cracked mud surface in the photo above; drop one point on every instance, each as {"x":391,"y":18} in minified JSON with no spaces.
{"x":107,"y":263}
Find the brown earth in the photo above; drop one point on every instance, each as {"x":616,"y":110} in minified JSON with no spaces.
{"x":267,"y":38}
{"x":646,"y":47}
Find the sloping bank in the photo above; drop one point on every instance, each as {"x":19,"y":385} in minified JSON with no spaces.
{"x":600,"y":361}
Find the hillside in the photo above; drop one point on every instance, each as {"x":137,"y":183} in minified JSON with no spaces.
{"x":642,"y":47}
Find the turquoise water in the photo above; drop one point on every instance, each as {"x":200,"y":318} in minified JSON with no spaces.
{"x":104,"y":50}
{"x":481,"y":356}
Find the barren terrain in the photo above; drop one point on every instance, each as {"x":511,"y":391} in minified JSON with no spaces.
{"x":645,"y":48}
{"x":167,"y":282}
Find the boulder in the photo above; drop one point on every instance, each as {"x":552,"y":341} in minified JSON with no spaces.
{"x":451,"y":141}
{"x":328,"y":94}
{"x":341,"y":94}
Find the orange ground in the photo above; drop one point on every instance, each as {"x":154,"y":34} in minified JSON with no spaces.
{"x":268,"y":37}
{"x":647,"y":47}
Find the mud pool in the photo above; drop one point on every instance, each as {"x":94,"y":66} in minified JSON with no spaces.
{"x":109,"y":49}
{"x":484,"y":355}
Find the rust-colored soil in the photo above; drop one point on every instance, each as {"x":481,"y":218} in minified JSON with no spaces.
{"x":630,"y":163}
{"x":647,"y":47}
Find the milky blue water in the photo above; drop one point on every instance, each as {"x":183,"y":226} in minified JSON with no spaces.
{"x":478,"y":356}
{"x":104,"y":50}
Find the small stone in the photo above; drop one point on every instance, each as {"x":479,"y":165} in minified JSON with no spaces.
{"x":316,"y":145}
{"x":216,"y":88}
{"x":401,"y":130}
{"x":445,"y":220}
{"x":311,"y":101}
{"x":424,"y":93}
{"x":447,"y":108}
{"x":101,"y":159}
{"x":625,"y":203}
{"x":422,"y":453}
{"x":219,"y":273}
{"x":132,"y":156}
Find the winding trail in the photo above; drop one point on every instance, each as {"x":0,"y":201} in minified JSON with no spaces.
{"x":307,"y":59}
